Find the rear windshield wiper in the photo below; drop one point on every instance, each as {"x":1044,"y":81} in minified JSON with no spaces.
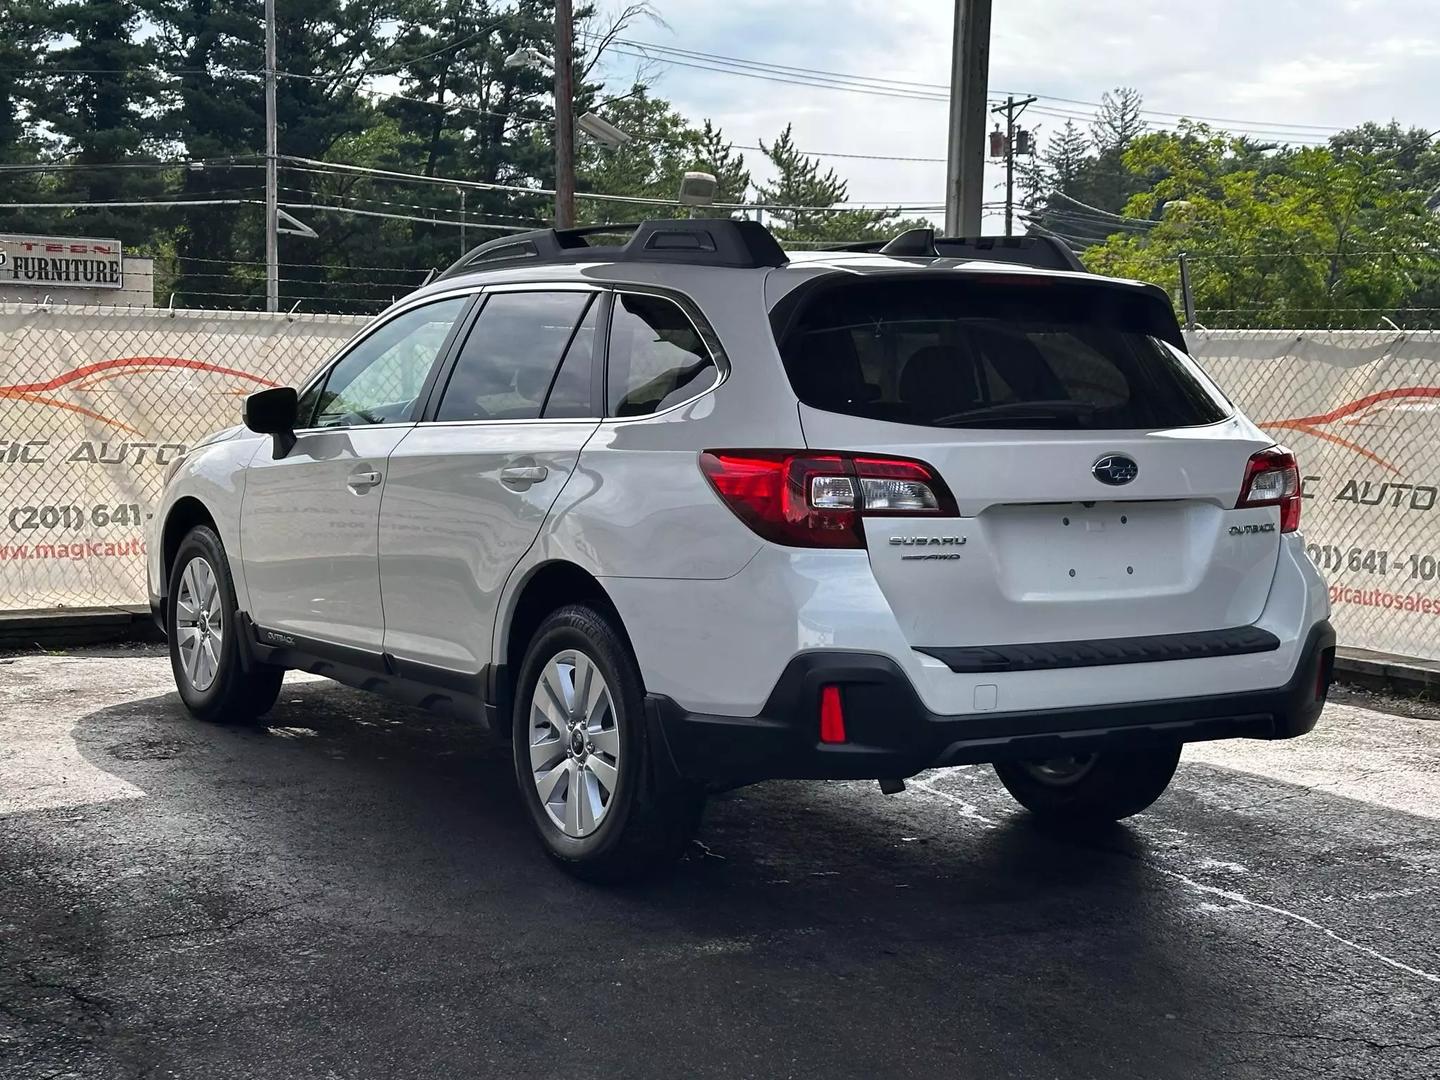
{"x":1028,"y":410}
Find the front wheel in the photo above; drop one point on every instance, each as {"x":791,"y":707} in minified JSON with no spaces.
{"x":583,"y":756}
{"x":204,"y":640}
{"x":1092,"y":789}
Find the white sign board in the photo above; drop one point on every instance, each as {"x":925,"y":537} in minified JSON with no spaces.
{"x":60,"y":261}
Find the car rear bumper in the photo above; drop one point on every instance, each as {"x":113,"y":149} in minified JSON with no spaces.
{"x":891,"y":734}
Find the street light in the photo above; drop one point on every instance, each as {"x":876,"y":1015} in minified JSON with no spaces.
{"x":697,"y":189}
{"x":530,"y":57}
{"x":602,"y":131}
{"x":598,"y":128}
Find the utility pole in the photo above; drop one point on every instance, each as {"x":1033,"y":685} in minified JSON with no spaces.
{"x":969,"y":79}
{"x":1011,"y":109}
{"x":564,"y":117}
{"x":272,"y":182}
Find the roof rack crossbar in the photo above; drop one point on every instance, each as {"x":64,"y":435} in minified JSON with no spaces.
{"x":1039,"y":251}
{"x":693,"y":241}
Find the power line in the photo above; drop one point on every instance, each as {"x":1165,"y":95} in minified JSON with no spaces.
{"x":643,"y":200}
{"x":1278,"y":133}
{"x":484,"y":31}
{"x":779,"y":78}
{"x":1102,"y":212}
{"x":896,"y":87}
{"x":419,"y":101}
{"x":764,"y":64}
{"x":127,"y":203}
{"x":838,"y":154}
{"x":408,"y":217}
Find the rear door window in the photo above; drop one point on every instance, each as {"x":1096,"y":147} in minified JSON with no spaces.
{"x":657,"y":357}
{"x":1035,"y":353}
{"x":573,"y":392}
{"x":508,"y":362}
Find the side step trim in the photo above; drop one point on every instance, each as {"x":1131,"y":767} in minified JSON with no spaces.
{"x":1103,"y":652}
{"x":457,"y":693}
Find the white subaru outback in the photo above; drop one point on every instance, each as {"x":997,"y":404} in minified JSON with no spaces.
{"x":689,"y":512}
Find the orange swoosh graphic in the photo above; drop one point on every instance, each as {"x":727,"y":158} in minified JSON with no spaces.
{"x":89,"y":375}
{"x":1309,"y":425}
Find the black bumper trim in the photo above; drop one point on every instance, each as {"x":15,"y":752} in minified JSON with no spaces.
{"x":892,"y":734}
{"x":1102,"y":652}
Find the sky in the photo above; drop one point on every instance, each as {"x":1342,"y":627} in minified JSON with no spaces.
{"x":1272,"y":64}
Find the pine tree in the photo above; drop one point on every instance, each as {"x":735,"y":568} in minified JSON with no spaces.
{"x":21,"y":39}
{"x":211,"y":50}
{"x":1065,"y":156}
{"x":99,"y":93}
{"x":1120,"y":120}
{"x":716,"y":155}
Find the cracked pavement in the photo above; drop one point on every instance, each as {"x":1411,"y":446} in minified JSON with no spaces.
{"x":351,"y":892}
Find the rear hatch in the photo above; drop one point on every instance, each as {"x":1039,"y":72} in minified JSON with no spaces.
{"x":1094,"y":468}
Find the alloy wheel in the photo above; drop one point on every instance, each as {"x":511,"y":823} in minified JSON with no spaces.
{"x":199,"y":623}
{"x":574,"y":743}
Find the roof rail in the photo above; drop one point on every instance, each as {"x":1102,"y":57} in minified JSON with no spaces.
{"x":1044,"y":252}
{"x":691,"y":241}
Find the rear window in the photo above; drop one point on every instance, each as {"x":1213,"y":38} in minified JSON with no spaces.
{"x":1027,"y":354}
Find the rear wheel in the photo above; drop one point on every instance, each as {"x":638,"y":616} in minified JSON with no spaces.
{"x":583,"y":756}
{"x":1091,"y":789}
{"x":204,"y":637}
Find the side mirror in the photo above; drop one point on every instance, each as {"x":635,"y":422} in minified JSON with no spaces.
{"x":273,"y":412}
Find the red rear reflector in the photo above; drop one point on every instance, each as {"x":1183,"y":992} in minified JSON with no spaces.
{"x":1272,"y":478}
{"x":832,"y":715}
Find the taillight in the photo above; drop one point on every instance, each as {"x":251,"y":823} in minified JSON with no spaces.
{"x":1272,"y":478}
{"x":817,"y":498}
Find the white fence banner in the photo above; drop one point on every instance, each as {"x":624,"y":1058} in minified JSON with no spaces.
{"x":94,"y":403}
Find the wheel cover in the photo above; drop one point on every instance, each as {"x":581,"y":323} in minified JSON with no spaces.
{"x":574,"y":743}
{"x":1061,"y":772}
{"x":199,"y":623}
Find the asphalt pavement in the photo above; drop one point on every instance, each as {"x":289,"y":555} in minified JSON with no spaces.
{"x":351,"y":892}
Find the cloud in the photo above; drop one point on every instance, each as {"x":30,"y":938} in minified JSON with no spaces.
{"x":1278,"y":62}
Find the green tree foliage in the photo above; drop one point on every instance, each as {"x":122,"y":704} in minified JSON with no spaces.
{"x":99,"y":94}
{"x":1280,"y":246}
{"x":798,"y":182}
{"x":20,"y":37}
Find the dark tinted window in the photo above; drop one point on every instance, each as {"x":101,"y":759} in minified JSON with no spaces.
{"x":378,"y":381}
{"x":510,"y":356}
{"x":656,"y":356}
{"x":992,"y":354}
{"x":573,"y":388}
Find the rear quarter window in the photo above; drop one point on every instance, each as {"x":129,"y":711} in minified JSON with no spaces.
{"x":657,"y":357}
{"x":1033,"y":353}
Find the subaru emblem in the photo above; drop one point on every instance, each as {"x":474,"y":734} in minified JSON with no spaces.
{"x":1115,"y":469}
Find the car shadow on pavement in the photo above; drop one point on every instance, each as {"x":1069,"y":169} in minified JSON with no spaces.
{"x":359,"y":872}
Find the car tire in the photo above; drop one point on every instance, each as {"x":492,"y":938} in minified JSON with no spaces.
{"x":584,"y":759}
{"x":1093,"y":790}
{"x":204,"y":636}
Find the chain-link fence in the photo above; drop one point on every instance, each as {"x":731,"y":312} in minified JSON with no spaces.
{"x":1359,"y":409}
{"x":94,"y":404}
{"x":1351,"y":290}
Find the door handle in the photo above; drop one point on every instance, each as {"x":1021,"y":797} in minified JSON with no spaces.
{"x":363,"y":481}
{"x":521,"y":477}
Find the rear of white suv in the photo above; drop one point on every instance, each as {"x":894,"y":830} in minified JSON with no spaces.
{"x":690,"y":513}
{"x":1023,"y":527}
